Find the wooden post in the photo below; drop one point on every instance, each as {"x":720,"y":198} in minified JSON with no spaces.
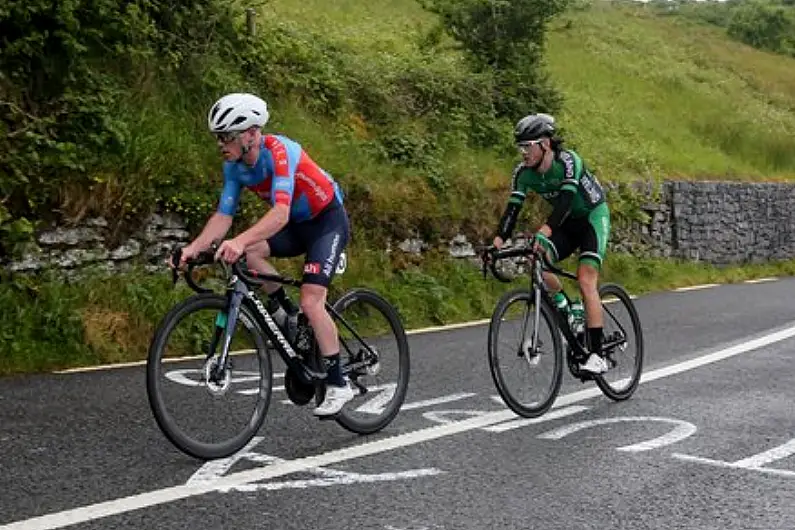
{"x":250,"y":23}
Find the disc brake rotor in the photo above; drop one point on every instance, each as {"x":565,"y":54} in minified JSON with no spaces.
{"x":216,"y":385}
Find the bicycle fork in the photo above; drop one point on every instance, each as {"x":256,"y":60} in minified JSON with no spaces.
{"x":533,"y":350}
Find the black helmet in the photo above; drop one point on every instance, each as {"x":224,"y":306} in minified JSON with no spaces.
{"x":533,"y":127}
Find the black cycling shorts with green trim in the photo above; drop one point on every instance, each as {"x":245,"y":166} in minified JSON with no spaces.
{"x":589,"y":234}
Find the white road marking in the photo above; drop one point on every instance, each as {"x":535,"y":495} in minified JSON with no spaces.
{"x":436,"y":401}
{"x":449,"y":327}
{"x":613,"y":299}
{"x":553,"y":415}
{"x":445,"y":417}
{"x":182,"y":377}
{"x":768,"y":457}
{"x":158,"y":497}
{"x":252,"y":391}
{"x":214,"y":469}
{"x":140,"y":363}
{"x":761,"y":280}
{"x":733,"y":465}
{"x":340,"y":478}
{"x":380,"y":396}
{"x":696,"y":287}
{"x":682,"y":430}
{"x":755,"y":463}
{"x":425,"y":402}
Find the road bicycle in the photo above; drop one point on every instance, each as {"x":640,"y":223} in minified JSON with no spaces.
{"x":209,"y":375}
{"x":529,"y":329}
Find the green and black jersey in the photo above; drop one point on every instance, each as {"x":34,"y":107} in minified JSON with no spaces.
{"x":566,"y":173}
{"x":580,"y":218}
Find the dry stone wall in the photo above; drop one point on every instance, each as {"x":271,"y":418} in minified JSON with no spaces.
{"x":716,"y":222}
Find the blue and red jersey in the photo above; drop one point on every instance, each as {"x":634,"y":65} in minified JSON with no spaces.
{"x":284,"y":174}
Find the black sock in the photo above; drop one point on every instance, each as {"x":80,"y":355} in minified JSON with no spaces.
{"x":595,"y":340}
{"x":333,"y":370}
{"x":286,"y":303}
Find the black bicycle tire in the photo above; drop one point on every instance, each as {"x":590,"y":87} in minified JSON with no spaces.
{"x":548,"y":315}
{"x":172,"y":432}
{"x":391,"y":314}
{"x":620,"y":293}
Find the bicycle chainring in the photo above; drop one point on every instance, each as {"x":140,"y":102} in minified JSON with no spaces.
{"x":296,"y":389}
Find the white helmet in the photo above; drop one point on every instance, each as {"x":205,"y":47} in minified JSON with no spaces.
{"x":237,"y":112}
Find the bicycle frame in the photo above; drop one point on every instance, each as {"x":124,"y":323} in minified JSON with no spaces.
{"x":539,"y":288}
{"x":537,"y":281}
{"x":538,"y":263}
{"x":240,"y":288}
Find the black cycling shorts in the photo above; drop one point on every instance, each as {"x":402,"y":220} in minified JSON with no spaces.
{"x":322,"y":239}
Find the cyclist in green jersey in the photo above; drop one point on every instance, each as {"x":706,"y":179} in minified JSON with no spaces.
{"x":580,"y":218}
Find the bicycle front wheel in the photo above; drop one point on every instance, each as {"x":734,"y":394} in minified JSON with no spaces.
{"x":206,"y":410}
{"x":623,"y":344}
{"x":525,"y":353}
{"x":375,"y":353}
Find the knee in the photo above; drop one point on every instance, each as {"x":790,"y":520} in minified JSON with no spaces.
{"x":259,"y":251}
{"x":588,"y":283}
{"x":312,"y":302}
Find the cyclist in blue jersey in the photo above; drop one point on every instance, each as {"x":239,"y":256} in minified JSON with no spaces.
{"x":307,"y":216}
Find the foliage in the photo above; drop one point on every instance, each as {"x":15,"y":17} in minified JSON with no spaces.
{"x":763,"y":24}
{"x":505,"y":37}
{"x":70,"y":76}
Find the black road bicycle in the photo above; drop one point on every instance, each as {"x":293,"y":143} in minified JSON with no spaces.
{"x":209,"y":376}
{"x":525,"y":343}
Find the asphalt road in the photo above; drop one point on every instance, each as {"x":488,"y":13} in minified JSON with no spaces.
{"x":706,"y":442}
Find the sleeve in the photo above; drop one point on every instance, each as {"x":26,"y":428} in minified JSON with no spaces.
{"x":562,"y":209}
{"x":283,"y":172}
{"x":572,"y":171}
{"x":230,"y":195}
{"x":514,"y":206}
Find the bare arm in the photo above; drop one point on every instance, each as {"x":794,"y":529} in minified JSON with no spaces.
{"x":271,"y":223}
{"x":215,"y":229}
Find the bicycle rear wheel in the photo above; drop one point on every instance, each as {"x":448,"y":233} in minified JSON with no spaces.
{"x":623,"y":344}
{"x":208,"y":411}
{"x":375,"y":352}
{"x":527,"y":374}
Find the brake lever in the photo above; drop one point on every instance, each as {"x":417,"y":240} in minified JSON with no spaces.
{"x":176,"y":258}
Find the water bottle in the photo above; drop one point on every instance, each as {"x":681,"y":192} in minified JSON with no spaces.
{"x":577,"y":317}
{"x":561,"y":302}
{"x":276,"y":312}
{"x":287,"y":322}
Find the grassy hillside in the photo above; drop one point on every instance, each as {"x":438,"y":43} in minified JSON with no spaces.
{"x":663,"y":96}
{"x":646,"y":96}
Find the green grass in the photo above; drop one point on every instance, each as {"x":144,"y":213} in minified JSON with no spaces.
{"x":376,"y":27}
{"x":53,"y":326}
{"x":648,"y":96}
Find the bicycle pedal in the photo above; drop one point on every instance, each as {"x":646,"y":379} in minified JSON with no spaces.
{"x":328,"y":417}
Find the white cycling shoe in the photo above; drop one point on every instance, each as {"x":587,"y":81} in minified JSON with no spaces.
{"x":336,"y":397}
{"x":595,"y":365}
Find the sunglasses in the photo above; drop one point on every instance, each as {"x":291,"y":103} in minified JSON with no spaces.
{"x":227,"y":137}
{"x":526,"y":147}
